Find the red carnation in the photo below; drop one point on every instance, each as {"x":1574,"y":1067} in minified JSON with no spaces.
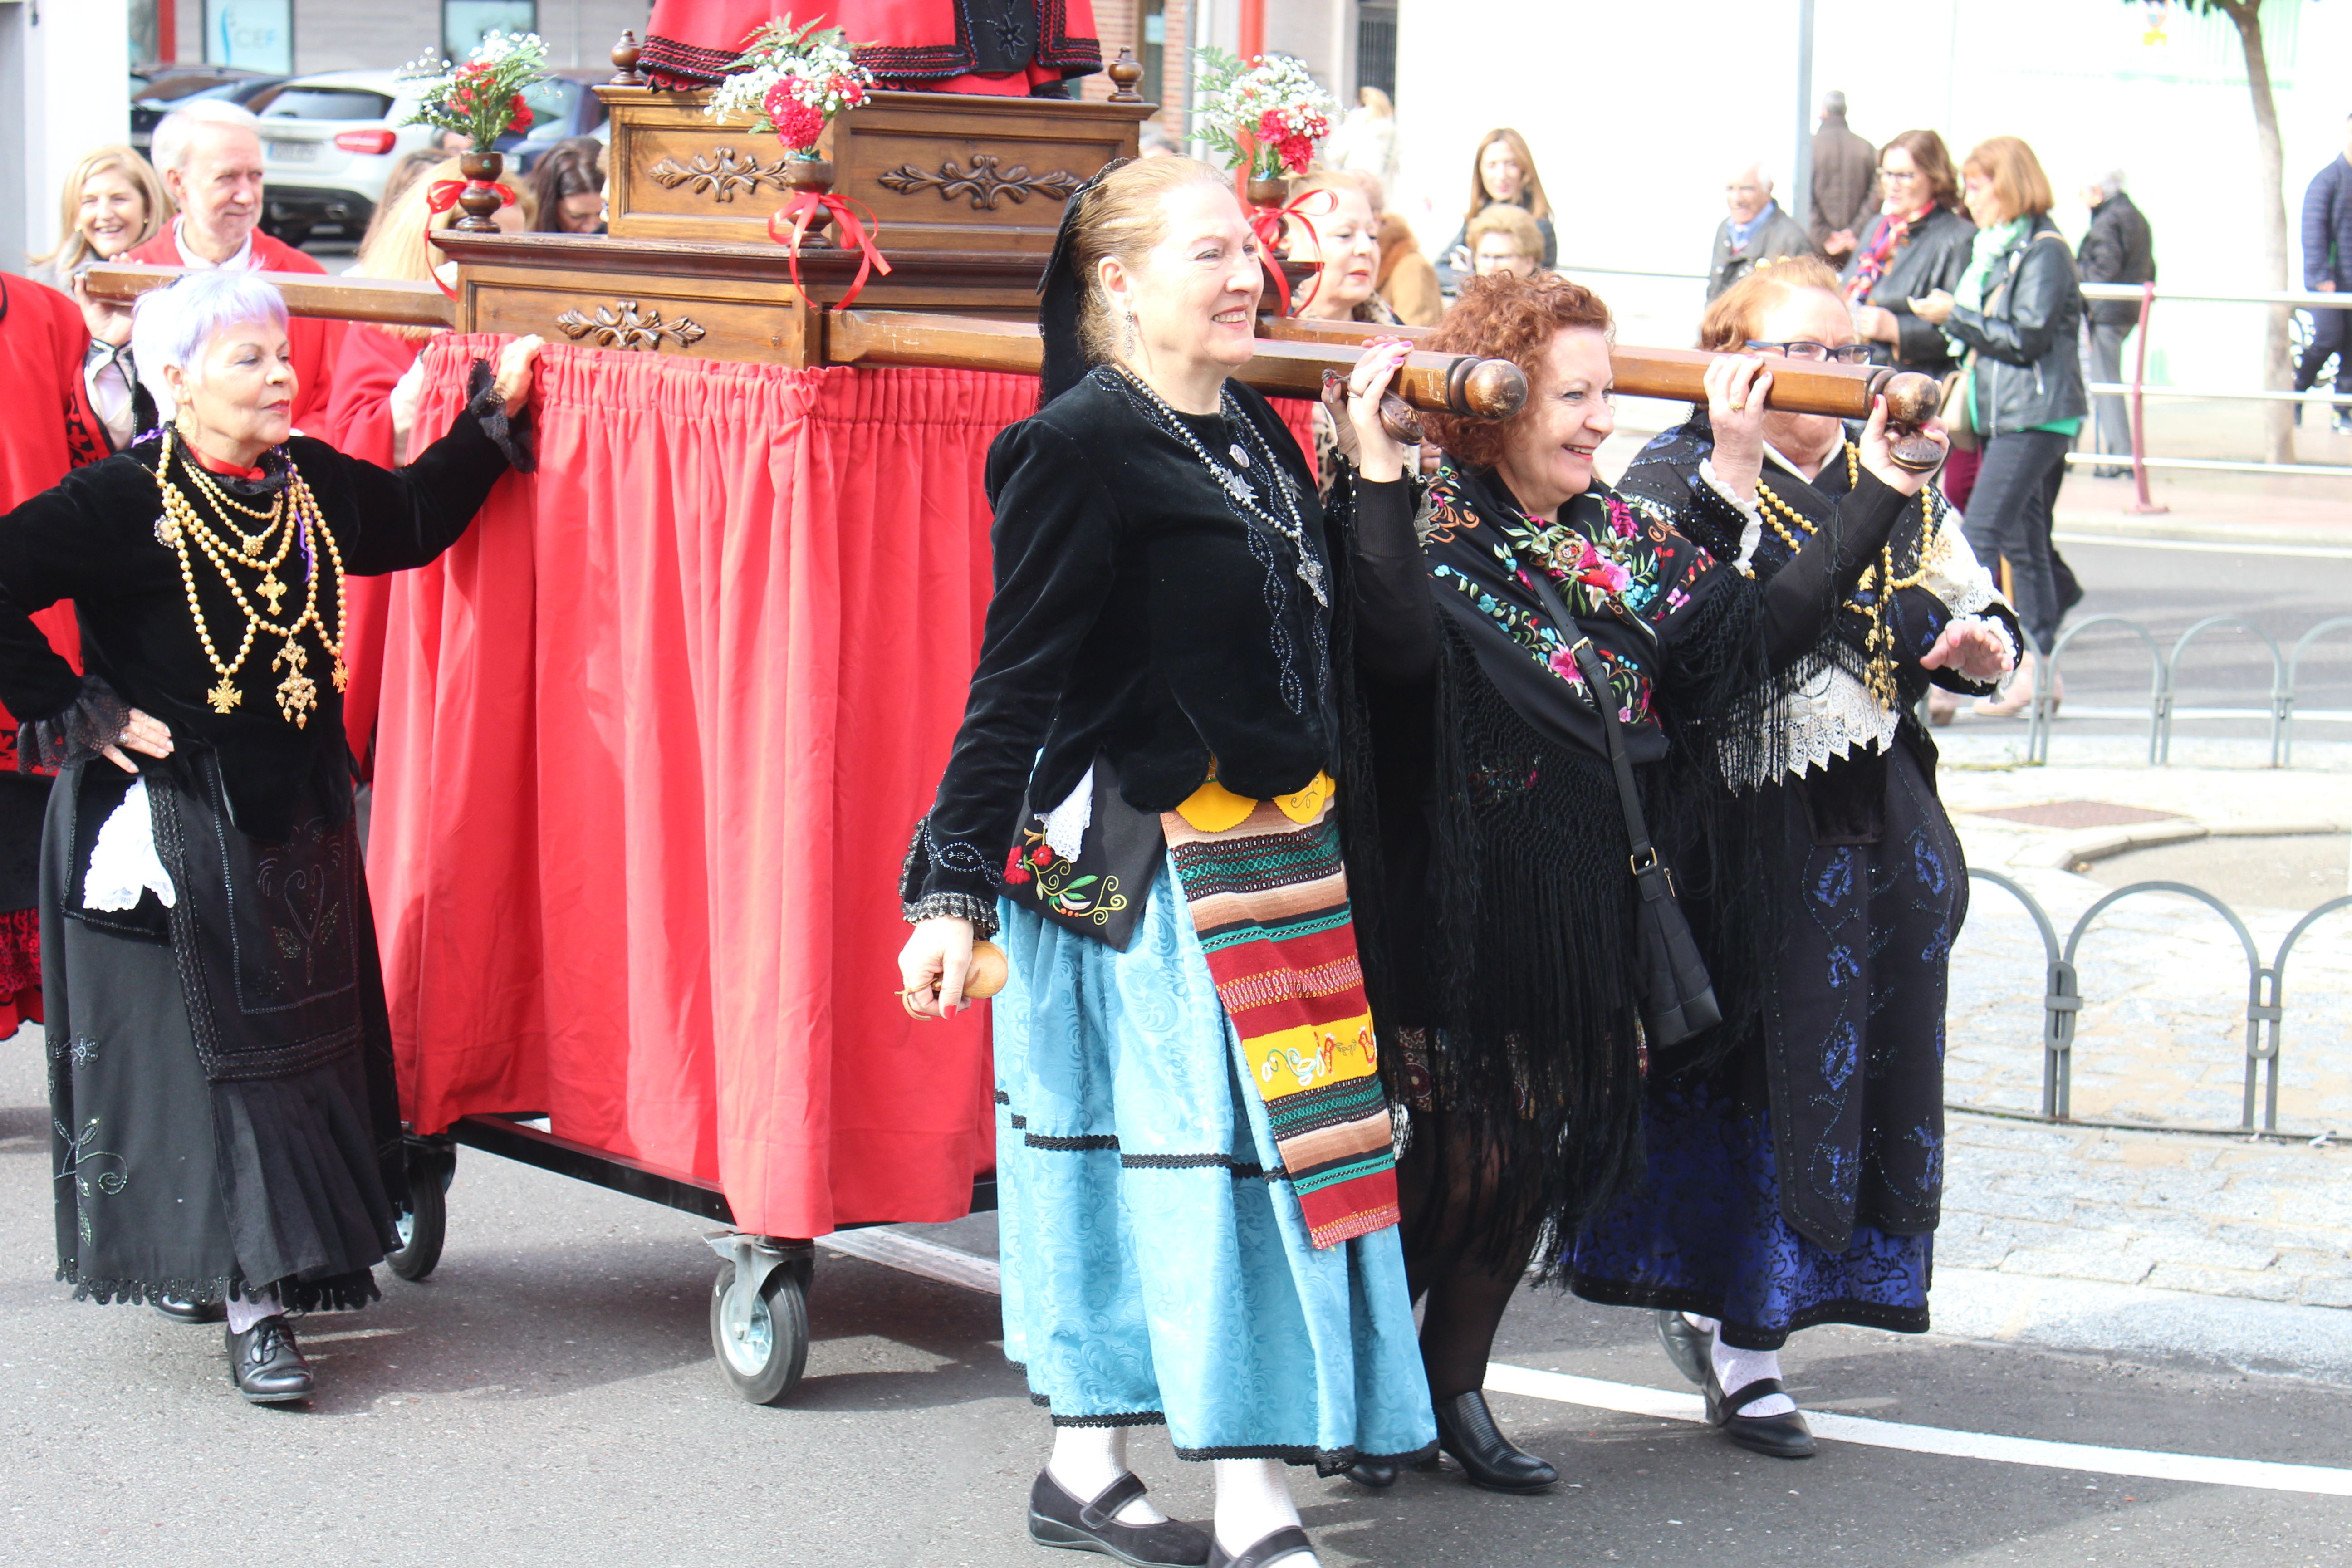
{"x":1270,"y":128}
{"x":797,"y":125}
{"x":521,"y":120}
{"x":1297,"y":152}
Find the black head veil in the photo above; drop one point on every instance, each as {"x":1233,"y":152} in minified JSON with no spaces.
{"x":1060,"y":292}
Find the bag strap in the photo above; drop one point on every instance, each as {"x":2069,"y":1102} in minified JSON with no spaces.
{"x":1597,"y":692}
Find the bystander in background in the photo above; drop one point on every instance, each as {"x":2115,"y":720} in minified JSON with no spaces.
{"x":1844,"y":192}
{"x":2118,"y":247}
{"x":567,"y":186}
{"x":1755,"y":230}
{"x":1503,"y":239}
{"x":113,"y":203}
{"x":1502,"y":169}
{"x":2328,"y":269}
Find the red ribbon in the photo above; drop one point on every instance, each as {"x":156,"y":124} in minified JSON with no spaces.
{"x":1268,"y":223}
{"x":442,"y":194}
{"x":792,"y":221}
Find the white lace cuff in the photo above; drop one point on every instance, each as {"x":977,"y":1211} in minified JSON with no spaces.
{"x":1997,"y":627}
{"x":1752,"y":529}
{"x":124,"y":863}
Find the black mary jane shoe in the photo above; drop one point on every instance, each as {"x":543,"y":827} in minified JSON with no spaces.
{"x":1686,"y":1345}
{"x":267,"y":1365}
{"x":1058,"y":1519}
{"x":1782,"y":1436}
{"x":1378,"y":1474}
{"x":181,"y":1312}
{"x":1466,"y":1430}
{"x":1269,"y":1549}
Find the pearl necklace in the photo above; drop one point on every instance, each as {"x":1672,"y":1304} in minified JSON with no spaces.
{"x":1879,"y":641}
{"x":1238,"y":490}
{"x":298,"y":510}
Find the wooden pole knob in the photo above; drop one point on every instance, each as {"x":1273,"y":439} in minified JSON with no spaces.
{"x":625,"y":61}
{"x":1913,"y":399}
{"x":988,"y":973}
{"x":1124,"y":74}
{"x":1485,"y":388}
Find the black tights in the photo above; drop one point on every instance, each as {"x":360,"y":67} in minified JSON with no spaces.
{"x":1448,"y":1261}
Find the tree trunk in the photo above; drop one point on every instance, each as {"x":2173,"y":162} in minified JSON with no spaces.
{"x":2278,"y":374}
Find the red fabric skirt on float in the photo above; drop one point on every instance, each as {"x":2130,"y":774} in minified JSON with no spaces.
{"x":652,"y":740}
{"x":923,"y":44}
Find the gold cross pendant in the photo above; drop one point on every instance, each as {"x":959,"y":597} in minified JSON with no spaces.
{"x":223,"y":697}
{"x":272,"y":590}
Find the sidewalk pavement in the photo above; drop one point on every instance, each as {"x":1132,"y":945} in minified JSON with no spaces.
{"x":2161,"y":1036}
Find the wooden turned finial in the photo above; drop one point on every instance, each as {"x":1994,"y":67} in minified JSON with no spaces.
{"x":1912,"y":399}
{"x":1125,"y":73}
{"x":1488,"y":388}
{"x":624,"y":60}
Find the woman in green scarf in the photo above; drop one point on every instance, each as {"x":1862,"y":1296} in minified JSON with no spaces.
{"x":2015,"y":319}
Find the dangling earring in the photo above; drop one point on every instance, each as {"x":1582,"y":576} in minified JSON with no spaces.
{"x":1133,"y":339}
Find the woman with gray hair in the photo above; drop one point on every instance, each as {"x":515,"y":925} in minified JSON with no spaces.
{"x":222,"y":1106}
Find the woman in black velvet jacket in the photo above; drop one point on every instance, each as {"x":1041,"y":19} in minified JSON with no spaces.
{"x":224,"y":1120}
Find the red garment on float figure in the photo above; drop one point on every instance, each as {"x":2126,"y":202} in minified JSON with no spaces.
{"x":316,"y":340}
{"x":358,"y":423}
{"x":653,"y":737}
{"x":1005,"y":47}
{"x":49,"y":430}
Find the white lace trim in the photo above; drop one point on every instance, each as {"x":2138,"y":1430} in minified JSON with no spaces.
{"x":1066,"y":824}
{"x":1954,"y":574}
{"x":1834,"y":715}
{"x":124,"y":863}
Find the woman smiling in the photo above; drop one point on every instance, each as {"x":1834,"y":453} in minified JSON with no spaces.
{"x":113,"y":203}
{"x":1198,"y":1203}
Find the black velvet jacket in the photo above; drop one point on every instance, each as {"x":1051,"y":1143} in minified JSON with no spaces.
{"x":1137,"y":615}
{"x":92,"y":539}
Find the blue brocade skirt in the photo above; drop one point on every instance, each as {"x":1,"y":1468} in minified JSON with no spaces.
{"x":1156,"y":1266}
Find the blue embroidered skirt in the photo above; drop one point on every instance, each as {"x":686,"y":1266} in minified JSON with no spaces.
{"x":1154,"y":1270}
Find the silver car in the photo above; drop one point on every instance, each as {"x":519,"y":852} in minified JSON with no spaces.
{"x":328,"y":142}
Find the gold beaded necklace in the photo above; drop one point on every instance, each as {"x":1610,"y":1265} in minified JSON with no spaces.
{"x":1879,"y":641}
{"x":294,"y":511}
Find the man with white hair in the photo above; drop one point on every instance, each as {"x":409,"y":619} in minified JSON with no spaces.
{"x":1756,"y":231}
{"x":2118,"y":247}
{"x":209,"y":154}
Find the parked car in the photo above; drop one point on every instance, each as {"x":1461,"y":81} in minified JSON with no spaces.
{"x":329,"y":142}
{"x":157,"y":89}
{"x":561,"y":107}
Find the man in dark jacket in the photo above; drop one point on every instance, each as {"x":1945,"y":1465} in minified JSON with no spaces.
{"x":1845,"y":183}
{"x":2328,"y":269}
{"x":1756,"y":231}
{"x":2118,"y":249}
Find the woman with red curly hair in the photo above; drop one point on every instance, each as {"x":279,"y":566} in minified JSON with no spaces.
{"x":1489,"y":848}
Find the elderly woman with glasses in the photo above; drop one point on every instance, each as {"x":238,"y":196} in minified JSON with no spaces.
{"x":1795,"y":1158}
{"x":224,"y":1131}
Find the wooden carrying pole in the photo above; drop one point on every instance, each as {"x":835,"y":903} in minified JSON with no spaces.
{"x":1292,"y":354}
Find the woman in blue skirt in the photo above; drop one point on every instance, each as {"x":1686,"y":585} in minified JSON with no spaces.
{"x":1199,"y":1203}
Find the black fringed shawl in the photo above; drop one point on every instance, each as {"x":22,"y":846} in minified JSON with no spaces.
{"x":1487,"y":850}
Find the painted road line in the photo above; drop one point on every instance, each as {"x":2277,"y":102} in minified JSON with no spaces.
{"x":2205,"y":546}
{"x":1660,"y":1403}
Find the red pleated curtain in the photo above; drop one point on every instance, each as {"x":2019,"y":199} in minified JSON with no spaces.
{"x":652,"y":739}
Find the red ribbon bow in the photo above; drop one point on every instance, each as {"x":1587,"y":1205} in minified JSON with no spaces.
{"x":1267,"y":222}
{"x":792,"y":221}
{"x":442,"y":194}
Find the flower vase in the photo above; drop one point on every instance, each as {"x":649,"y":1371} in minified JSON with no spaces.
{"x":1267,"y":194}
{"x":480,"y":199}
{"x":812,"y":176}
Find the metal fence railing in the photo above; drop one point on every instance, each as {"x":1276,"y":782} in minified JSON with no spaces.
{"x":2063,"y":997}
{"x":2164,"y":670}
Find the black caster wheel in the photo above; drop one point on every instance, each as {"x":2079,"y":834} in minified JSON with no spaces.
{"x":762,"y":1344}
{"x":423,"y":1222}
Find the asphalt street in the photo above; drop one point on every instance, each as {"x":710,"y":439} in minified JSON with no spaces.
{"x":548,"y":1398}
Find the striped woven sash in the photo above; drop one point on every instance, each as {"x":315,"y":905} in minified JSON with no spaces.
{"x":1269,"y":898}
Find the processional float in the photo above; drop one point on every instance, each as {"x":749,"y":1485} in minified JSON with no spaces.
{"x":639,"y":798}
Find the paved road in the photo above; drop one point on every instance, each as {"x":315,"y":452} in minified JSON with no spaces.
{"x":547,"y":1398}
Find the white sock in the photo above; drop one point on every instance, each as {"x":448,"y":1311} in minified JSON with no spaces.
{"x":244,"y":1314}
{"x":1736,"y":1369}
{"x":1253,"y":1502}
{"x":1087,"y":1459}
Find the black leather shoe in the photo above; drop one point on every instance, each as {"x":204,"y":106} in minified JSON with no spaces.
{"x":1466,"y":1429}
{"x":267,"y":1365}
{"x":1058,"y":1519}
{"x":1782,"y":1436}
{"x":1280,"y":1544}
{"x":181,"y":1312}
{"x":1378,"y":1474}
{"x":1686,"y":1346}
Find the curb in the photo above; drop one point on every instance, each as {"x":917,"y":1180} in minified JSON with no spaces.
{"x":2105,"y":843}
{"x":2188,"y":531}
